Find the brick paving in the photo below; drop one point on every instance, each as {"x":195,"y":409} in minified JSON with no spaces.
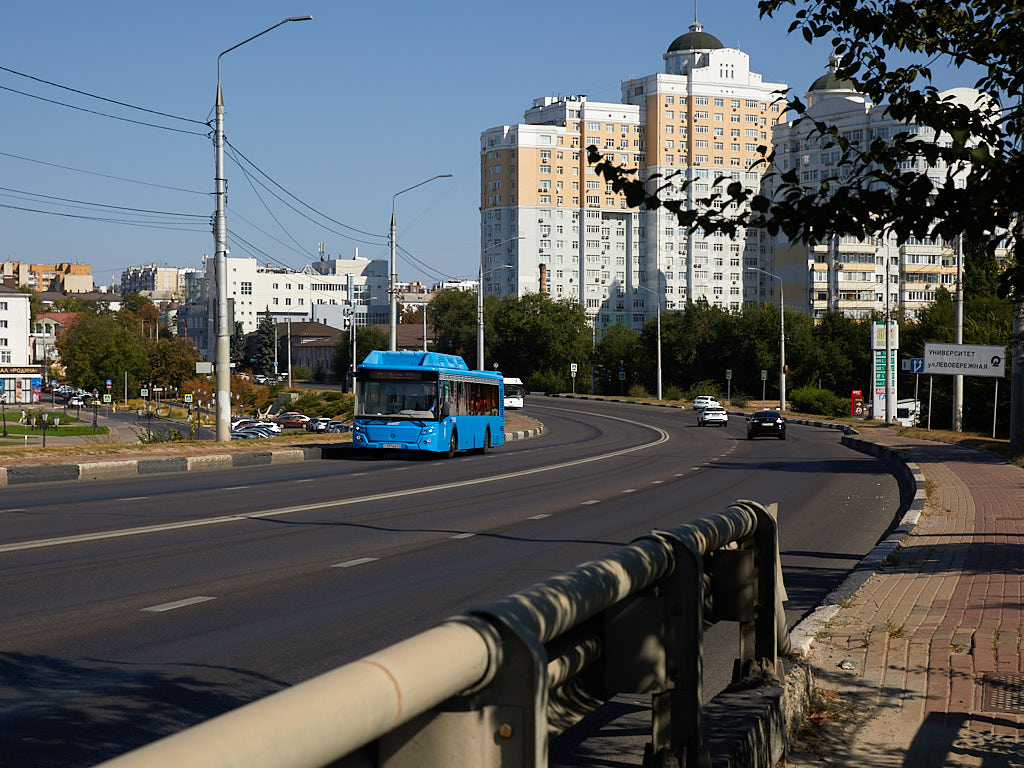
{"x":902,"y":664}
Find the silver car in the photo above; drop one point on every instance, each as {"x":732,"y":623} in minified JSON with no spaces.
{"x":713,"y":415}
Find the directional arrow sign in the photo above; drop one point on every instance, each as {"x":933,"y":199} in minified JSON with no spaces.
{"x":966,"y":359}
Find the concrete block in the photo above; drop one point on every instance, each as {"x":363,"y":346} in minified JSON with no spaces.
{"x":159,"y":466}
{"x":255,"y":459}
{"x":41,"y":474}
{"x":214,"y":461}
{"x":104,"y":470}
{"x":3,"y":475}
{"x":289,"y":456}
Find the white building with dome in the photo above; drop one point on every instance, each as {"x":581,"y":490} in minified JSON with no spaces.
{"x":847,"y":274}
{"x":545,"y":212}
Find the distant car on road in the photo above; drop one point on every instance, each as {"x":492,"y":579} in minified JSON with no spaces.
{"x":702,"y":401}
{"x":766,"y":423}
{"x":339,"y":426}
{"x":714,"y":415}
{"x":317,"y":424}
{"x":76,"y":401}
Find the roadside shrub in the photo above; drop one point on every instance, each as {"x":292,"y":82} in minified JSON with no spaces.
{"x":673,"y":393}
{"x":739,"y":399}
{"x":301,"y":373}
{"x":818,"y":401}
{"x":549,"y":381}
{"x":706,"y":387}
{"x":638,"y":390}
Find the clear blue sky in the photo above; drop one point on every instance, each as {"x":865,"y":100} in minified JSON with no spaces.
{"x":342,"y":112}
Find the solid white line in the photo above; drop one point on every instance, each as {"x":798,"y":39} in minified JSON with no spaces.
{"x":592,"y":501}
{"x":538,"y":517}
{"x":13,"y":509}
{"x":355,"y":501}
{"x":177,"y":604}
{"x":357,"y":561}
{"x":462,"y":536}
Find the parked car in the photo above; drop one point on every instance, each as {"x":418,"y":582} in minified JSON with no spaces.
{"x":338,"y":426}
{"x":292,"y":420}
{"x":768,"y":423}
{"x":317,"y":424}
{"x":702,"y":401}
{"x":259,"y":378}
{"x":714,"y":415}
{"x":76,"y":401}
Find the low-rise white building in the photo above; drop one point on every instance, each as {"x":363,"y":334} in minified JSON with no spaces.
{"x":20,"y":381}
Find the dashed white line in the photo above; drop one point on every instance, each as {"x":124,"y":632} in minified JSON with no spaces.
{"x":178,"y":604}
{"x":541,"y":516}
{"x":592,"y":501}
{"x":657,"y":482}
{"x":462,"y":536}
{"x":357,"y":561}
{"x":13,"y":509}
{"x":133,"y":498}
{"x":679,"y":474}
{"x":628,"y":490}
{"x":236,"y":488}
{"x":307,"y":480}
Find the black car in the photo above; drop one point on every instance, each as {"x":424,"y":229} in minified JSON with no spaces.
{"x":768,"y":423}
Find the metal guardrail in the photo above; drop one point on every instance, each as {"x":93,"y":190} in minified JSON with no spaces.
{"x":489,"y":687}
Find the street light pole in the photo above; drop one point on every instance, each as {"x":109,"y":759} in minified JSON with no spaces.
{"x":222,"y":352}
{"x":480,"y":300}
{"x":393,"y":277}
{"x":782,"y":336}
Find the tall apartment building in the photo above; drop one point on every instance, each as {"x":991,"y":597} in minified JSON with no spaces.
{"x":846,"y":274}
{"x":550,"y":224}
{"x":158,"y":283}
{"x":58,"y":278}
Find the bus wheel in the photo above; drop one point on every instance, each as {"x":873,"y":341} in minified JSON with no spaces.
{"x":453,"y":445}
{"x":487,"y":441}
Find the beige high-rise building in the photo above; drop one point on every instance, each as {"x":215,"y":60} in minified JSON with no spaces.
{"x":550,"y":223}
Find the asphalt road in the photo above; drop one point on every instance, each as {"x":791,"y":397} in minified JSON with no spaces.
{"x":134,"y":608}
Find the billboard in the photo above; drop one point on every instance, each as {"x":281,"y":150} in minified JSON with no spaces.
{"x":965,"y":359}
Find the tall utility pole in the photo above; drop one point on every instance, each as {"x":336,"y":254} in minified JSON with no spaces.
{"x":222,"y":357}
{"x":890,"y":411}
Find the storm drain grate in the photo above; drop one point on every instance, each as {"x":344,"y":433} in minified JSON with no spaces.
{"x":1003,"y":693}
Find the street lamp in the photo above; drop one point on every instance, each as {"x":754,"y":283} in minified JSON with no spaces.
{"x":222,"y":355}
{"x":782,"y":337}
{"x":480,"y":299}
{"x":658,"y":297}
{"x":393,"y":279}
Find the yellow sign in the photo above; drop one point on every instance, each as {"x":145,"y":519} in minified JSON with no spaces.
{"x":188,"y":398}
{"x":106,"y":398}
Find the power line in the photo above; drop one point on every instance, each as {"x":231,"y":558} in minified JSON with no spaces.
{"x":307,"y":205}
{"x":103,"y":205}
{"x":183,"y":226}
{"x":259,"y":229}
{"x":102,"y":98}
{"x":102,"y":114}
{"x":103,"y":175}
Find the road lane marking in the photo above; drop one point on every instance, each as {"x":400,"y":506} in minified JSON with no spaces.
{"x":236,"y":488}
{"x":13,"y":509}
{"x":592,"y":501}
{"x":663,"y":437}
{"x":307,"y":480}
{"x":357,"y":561}
{"x":462,"y":536}
{"x":657,"y":482}
{"x":133,"y":498}
{"x":538,"y":517}
{"x":628,"y":490}
{"x":679,"y":474}
{"x":177,"y":604}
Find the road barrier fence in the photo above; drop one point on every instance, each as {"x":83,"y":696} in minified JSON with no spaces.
{"x":489,"y":687}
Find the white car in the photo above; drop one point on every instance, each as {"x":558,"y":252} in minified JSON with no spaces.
{"x":713,"y":415}
{"x":702,"y":401}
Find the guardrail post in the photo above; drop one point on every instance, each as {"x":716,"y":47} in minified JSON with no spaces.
{"x":676,"y":711}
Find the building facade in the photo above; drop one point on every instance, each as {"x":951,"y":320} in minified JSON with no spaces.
{"x":563,"y":231}
{"x":845,"y":274}
{"x":20,"y":380}
{"x":158,"y":283}
{"x":59,"y":278}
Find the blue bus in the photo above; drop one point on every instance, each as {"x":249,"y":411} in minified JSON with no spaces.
{"x":426,"y":401}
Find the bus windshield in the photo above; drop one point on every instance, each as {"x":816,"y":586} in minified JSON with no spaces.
{"x":397,"y":399}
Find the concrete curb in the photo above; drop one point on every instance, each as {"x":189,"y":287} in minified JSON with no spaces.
{"x":116,"y":468}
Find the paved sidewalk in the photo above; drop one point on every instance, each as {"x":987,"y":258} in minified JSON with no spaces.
{"x":922,"y":666}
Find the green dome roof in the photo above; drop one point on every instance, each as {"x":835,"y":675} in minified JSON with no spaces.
{"x":695,"y":40}
{"x":829,"y":81}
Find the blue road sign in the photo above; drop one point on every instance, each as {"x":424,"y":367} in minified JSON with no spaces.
{"x":916,"y":365}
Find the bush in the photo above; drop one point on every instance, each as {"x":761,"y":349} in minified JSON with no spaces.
{"x":739,"y":399}
{"x":549,"y":381}
{"x":706,"y":387}
{"x":301,"y":373}
{"x":818,"y":401}
{"x":673,"y":393}
{"x":638,"y":390}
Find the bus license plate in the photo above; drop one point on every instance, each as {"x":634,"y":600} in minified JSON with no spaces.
{"x":390,"y":445}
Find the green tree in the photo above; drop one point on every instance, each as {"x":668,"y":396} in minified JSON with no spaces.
{"x":172,"y":361}
{"x":35,"y":304}
{"x":981,"y":271}
{"x":100,"y":347}
{"x":368,"y":338}
{"x":618,"y":347}
{"x":75,"y":304}
{"x":453,"y":315}
{"x":237,"y":346}
{"x":266,"y":338}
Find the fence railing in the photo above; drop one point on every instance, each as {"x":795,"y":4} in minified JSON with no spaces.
{"x":488,"y":688}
